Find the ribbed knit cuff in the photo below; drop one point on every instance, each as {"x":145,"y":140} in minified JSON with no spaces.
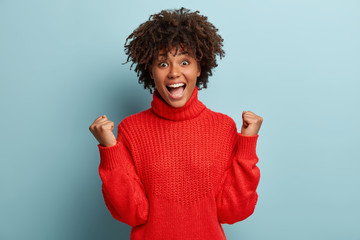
{"x":110,"y":156}
{"x":247,"y":146}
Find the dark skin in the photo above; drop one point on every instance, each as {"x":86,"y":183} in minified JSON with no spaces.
{"x":169,"y":29}
{"x":102,"y":128}
{"x":178,"y":28}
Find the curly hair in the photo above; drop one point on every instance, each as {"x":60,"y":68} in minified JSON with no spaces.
{"x":174,"y":28}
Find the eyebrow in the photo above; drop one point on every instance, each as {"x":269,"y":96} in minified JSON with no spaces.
{"x":180,"y":53}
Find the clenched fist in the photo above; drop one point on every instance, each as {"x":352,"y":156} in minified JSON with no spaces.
{"x":251,"y":123}
{"x":102,"y":130}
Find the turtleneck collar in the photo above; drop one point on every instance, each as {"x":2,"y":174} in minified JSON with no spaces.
{"x":192,"y":108}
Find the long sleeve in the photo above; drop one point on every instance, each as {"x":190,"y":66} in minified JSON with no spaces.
{"x":236,"y":197}
{"x":122,"y":189}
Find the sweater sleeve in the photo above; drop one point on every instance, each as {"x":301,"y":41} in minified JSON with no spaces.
{"x":237,"y":197}
{"x":122,"y":189}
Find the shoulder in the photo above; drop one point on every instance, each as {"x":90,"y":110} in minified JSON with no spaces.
{"x":224,"y":128}
{"x":135,"y":120}
{"x":222,"y":119}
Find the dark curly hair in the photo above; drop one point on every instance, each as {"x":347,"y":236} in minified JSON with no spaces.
{"x":174,"y":28}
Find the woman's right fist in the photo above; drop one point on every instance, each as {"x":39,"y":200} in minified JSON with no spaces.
{"x":102,"y":130}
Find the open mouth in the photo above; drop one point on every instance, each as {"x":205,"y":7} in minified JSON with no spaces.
{"x":176,"y":90}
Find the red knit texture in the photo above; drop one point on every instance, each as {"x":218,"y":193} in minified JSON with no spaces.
{"x":179,"y":173}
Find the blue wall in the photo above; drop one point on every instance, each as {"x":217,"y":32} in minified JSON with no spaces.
{"x":295,"y":63}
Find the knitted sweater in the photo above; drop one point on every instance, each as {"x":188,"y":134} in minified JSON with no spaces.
{"x":179,"y":173}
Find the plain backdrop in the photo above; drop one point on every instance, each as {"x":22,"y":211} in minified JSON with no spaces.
{"x":295,"y":63}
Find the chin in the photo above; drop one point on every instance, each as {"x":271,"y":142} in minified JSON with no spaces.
{"x":177,"y":104}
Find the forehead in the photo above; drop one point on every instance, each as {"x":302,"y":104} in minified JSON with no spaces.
{"x":180,"y":51}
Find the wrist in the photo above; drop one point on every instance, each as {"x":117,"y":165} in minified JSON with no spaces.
{"x":108,"y":145}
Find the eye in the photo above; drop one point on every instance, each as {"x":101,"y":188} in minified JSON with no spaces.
{"x":185,"y":62}
{"x":162,"y":64}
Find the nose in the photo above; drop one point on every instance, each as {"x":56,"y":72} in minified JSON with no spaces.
{"x":174,"y":72}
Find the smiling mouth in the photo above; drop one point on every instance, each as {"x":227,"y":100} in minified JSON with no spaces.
{"x":176,"y":90}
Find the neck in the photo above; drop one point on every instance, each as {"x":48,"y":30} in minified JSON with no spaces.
{"x":192,"y":108}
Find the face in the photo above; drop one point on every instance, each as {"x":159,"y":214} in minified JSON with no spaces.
{"x":175,"y":76}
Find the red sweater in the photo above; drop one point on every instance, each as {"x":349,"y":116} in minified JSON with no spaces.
{"x":179,"y":173}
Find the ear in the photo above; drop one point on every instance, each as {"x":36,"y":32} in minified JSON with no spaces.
{"x":199,"y":70}
{"x":150,"y":71}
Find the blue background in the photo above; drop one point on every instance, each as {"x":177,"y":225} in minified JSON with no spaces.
{"x":295,"y":63}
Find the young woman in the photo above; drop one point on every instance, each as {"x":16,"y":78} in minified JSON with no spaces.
{"x":178,"y":170}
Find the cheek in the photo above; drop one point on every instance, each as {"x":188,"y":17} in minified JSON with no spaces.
{"x":153,"y":72}
{"x":156,"y":74}
{"x":157,"y":81}
{"x":193,"y":74}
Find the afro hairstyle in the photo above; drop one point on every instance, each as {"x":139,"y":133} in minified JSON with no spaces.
{"x":174,"y":28}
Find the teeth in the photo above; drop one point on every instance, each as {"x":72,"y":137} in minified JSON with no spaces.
{"x":176,"y":85}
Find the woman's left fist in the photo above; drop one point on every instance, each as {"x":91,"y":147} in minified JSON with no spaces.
{"x":251,"y":123}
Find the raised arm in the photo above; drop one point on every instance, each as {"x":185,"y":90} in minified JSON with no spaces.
{"x":123,"y":191}
{"x":236,"y":197}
